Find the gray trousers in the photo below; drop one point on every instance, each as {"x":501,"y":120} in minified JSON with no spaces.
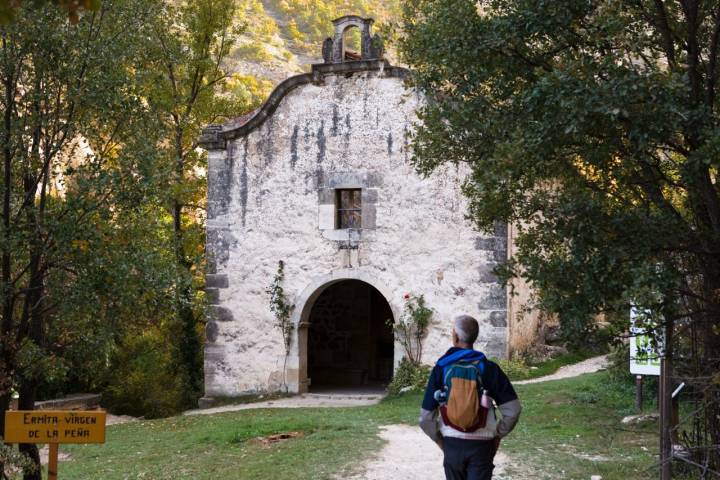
{"x":468,"y":459}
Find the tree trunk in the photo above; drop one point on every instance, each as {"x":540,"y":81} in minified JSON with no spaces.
{"x":4,"y":406}
{"x":28,"y":390}
{"x":6,"y":290}
{"x":711,"y":362}
{"x":31,"y":328}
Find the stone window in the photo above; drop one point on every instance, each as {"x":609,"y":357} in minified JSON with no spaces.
{"x":348,"y":202}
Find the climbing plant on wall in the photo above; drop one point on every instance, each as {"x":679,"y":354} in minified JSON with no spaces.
{"x":411,"y":328}
{"x":282,"y":310}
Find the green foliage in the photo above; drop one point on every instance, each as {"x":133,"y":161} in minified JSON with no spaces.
{"x":620,"y":378}
{"x":515,"y":369}
{"x":188,"y":87}
{"x":141,"y":380}
{"x":103,"y":190}
{"x":409,"y":376}
{"x":280,"y":307}
{"x":593,"y":130}
{"x":9,"y":8}
{"x":74,"y":165}
{"x":282,"y":310}
{"x":411,"y":328}
{"x":248,"y":90}
{"x":15,"y":462}
{"x":254,"y":51}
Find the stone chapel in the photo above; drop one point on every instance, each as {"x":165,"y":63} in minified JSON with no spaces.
{"x":319,"y":178}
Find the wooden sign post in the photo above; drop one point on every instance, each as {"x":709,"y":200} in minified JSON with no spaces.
{"x":54,"y":427}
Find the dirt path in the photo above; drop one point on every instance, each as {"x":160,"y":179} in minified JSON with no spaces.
{"x":311,"y":400}
{"x":590,"y":365}
{"x":408,"y":453}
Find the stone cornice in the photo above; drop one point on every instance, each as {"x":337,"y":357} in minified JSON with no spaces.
{"x":215,"y":137}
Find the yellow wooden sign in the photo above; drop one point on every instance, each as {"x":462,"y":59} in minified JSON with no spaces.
{"x":54,"y":426}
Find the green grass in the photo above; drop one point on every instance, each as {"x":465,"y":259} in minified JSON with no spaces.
{"x":225,"y":445}
{"x":564,"y":424}
{"x":570,"y":429}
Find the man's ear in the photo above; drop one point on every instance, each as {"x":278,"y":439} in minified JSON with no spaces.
{"x":454,"y":337}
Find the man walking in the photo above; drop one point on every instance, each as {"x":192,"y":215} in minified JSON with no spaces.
{"x":457,"y":411}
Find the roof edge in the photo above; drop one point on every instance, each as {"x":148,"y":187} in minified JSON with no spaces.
{"x":216,"y":136}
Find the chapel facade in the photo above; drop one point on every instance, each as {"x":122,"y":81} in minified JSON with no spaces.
{"x":319,"y":178}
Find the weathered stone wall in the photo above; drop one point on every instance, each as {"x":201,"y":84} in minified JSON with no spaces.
{"x":270,"y":197}
{"x":524,"y":321}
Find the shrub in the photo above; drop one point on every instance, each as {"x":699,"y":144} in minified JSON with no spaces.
{"x":411,"y":375}
{"x":515,"y":369}
{"x":411,"y":328}
{"x":619,"y":375}
{"x":142,"y":381}
{"x":14,"y":463}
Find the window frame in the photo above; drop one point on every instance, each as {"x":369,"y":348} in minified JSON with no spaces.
{"x":339,"y":210}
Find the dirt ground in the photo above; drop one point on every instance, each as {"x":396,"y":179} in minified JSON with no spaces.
{"x":408,"y":453}
{"x":586,"y":366}
{"x":298,"y":401}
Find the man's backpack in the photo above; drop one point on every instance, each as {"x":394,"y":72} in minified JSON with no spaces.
{"x":463,"y":384}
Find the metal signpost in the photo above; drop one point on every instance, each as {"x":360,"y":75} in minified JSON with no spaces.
{"x":649,"y":355}
{"x":54,"y":427}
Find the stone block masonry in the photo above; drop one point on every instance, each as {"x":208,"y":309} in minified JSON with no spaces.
{"x":272,"y":196}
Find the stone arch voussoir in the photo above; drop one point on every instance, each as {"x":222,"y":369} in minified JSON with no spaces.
{"x":304,"y":302}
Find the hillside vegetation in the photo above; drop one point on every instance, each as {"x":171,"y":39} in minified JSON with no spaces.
{"x":283,"y":37}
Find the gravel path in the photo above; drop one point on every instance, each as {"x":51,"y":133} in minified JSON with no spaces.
{"x":409,"y":454}
{"x":590,"y":365}
{"x":298,"y":401}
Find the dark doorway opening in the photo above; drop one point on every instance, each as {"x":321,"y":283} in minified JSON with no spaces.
{"x":350,"y":341}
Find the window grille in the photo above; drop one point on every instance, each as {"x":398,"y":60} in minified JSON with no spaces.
{"x":349,"y":208}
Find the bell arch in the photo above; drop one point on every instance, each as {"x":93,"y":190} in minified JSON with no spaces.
{"x":370,"y":47}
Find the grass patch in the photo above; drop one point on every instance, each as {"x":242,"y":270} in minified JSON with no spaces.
{"x":570,"y":429}
{"x":223,"y":446}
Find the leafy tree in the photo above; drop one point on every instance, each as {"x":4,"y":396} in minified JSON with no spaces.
{"x":8,"y":8}
{"x":188,"y":88}
{"x":593,"y":126}
{"x":79,"y":260}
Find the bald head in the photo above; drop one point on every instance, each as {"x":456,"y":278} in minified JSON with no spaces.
{"x":466,"y":329}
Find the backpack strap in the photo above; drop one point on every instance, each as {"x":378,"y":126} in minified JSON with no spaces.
{"x":479,"y":364}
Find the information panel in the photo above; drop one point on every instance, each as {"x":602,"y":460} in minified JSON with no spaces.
{"x":54,"y":426}
{"x":644,"y":354}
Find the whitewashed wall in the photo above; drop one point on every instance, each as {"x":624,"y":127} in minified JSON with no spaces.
{"x":267,"y":192}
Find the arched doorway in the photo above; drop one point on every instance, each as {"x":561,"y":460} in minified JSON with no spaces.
{"x":350,"y":338}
